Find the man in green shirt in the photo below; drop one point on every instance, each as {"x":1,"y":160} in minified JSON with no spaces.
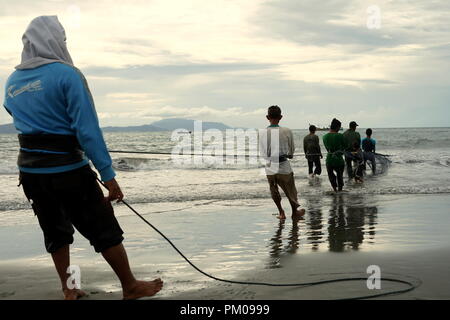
{"x":335,"y":144}
{"x":352,"y":138}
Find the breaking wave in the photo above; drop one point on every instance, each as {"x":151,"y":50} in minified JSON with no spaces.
{"x":245,"y":191}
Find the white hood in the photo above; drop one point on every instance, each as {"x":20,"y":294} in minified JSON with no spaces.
{"x":44,"y":42}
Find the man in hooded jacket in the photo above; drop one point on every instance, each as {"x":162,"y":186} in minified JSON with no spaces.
{"x":59,"y":133}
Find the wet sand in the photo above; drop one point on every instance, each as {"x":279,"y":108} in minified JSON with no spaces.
{"x":339,"y":237}
{"x":428,"y":270}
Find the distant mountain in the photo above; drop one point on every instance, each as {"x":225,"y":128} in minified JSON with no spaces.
{"x":177,"y":123}
{"x":162,"y":125}
{"x":143,"y":128}
{"x":7,"y":128}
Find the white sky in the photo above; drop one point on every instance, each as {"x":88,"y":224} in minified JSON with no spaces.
{"x":228,"y":60}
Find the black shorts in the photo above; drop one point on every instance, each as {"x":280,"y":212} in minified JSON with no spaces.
{"x":70,"y":199}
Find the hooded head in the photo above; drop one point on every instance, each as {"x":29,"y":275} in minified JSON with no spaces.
{"x":44,"y":42}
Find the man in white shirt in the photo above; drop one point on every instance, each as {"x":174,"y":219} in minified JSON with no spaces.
{"x":280,"y":147}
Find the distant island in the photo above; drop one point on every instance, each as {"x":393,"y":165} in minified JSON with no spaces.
{"x":161,"y":125}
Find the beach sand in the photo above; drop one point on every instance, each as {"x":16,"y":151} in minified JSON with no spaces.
{"x":339,"y":237}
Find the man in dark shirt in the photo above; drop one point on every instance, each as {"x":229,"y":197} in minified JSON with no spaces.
{"x":368,"y":146}
{"x":311,"y":147}
{"x":352,"y":138}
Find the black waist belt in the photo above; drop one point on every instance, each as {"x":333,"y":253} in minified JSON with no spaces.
{"x":48,"y":150}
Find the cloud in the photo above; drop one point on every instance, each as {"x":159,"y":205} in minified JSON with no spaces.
{"x":323,"y":23}
{"x":133,"y":98}
{"x":150,"y":59}
{"x":143,"y":71}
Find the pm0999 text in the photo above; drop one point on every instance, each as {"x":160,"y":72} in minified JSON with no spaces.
{"x":243,"y":309}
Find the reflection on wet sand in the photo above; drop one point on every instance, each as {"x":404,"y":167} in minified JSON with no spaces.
{"x":276,"y":246}
{"x":314,"y":232}
{"x":276,"y":242}
{"x":350,"y":224}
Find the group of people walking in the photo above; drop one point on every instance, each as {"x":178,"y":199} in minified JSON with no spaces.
{"x":349,"y":145}
{"x":343,"y":150}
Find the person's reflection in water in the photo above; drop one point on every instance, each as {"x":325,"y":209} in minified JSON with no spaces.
{"x":371,"y":221}
{"x":315,"y":233}
{"x":276,"y":243}
{"x":276,"y":246}
{"x":315,"y":183}
{"x":346,"y":227}
{"x":336,"y":225}
{"x":355,"y":227}
{"x":293,"y":238}
{"x":364,"y":218}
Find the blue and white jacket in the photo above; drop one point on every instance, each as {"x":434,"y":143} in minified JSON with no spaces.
{"x":54,"y":98}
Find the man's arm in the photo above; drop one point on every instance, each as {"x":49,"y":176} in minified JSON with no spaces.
{"x":264,"y":144}
{"x":304,"y":145}
{"x":346,"y":140}
{"x":6,"y":98}
{"x":318,"y":146}
{"x":344,"y":144}
{"x":81,"y":110}
{"x":291,"y":144}
{"x":325,"y":142}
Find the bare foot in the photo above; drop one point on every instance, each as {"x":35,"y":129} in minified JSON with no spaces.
{"x":73,"y":294}
{"x":281,"y":215}
{"x":298,"y":213}
{"x":143,"y":289}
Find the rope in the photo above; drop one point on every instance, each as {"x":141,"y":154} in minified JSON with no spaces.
{"x":300,"y":284}
{"x":227,"y":155}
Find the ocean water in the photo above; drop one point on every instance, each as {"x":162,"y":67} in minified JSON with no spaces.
{"x":221,"y":215}
{"x":420,"y":164}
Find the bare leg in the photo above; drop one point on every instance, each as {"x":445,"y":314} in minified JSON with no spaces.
{"x":61,"y":259}
{"x":276,"y":197}
{"x":281,"y":214}
{"x":287,"y":183}
{"x":132,"y":289}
